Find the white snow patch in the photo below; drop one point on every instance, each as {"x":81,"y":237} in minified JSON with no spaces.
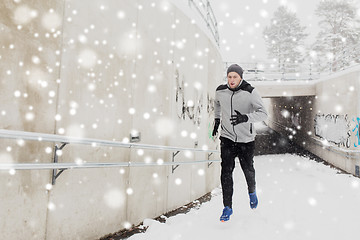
{"x":289,"y":209}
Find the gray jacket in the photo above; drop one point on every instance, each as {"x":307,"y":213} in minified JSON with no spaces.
{"x":244,"y":99}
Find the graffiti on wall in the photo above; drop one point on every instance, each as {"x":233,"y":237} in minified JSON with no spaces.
{"x":210,"y":104}
{"x":333,"y":128}
{"x":356,"y":130}
{"x":187,"y":108}
{"x":210,"y":111}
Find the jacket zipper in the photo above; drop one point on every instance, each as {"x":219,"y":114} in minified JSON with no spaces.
{"x":232,"y":113}
{"x":251,"y":128}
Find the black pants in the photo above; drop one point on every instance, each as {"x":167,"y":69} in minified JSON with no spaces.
{"x":229,"y":151}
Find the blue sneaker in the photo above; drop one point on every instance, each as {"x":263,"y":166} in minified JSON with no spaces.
{"x":253,"y":200}
{"x":226,"y":214}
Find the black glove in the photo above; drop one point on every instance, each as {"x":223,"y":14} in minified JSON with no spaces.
{"x":216,"y":126}
{"x":238,"y":118}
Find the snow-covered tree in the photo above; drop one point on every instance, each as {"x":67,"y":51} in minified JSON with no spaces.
{"x":337,"y":43}
{"x":284,"y":39}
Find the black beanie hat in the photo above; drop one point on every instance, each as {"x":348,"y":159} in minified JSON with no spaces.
{"x":235,"y":68}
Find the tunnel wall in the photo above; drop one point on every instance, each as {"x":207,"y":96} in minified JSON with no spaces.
{"x":326,"y":124}
{"x":102,"y":69}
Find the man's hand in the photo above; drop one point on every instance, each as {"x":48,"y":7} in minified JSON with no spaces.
{"x":238,"y":118}
{"x":216,"y":126}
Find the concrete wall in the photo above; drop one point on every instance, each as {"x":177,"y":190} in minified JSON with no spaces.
{"x":102,"y":69}
{"x":326,"y":124}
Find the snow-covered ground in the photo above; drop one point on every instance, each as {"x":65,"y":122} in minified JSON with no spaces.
{"x":298,"y":199}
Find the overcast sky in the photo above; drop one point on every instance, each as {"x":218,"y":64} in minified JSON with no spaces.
{"x":241,"y":23}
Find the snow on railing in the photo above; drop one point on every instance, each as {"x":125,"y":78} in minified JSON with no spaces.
{"x":64,"y":140}
{"x":349,"y":57}
{"x":311,"y":70}
{"x":269,"y":71}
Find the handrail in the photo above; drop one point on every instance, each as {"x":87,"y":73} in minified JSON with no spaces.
{"x":43,"y":137}
{"x":50,"y":166}
{"x":13,"y":134}
{"x":207,"y":14}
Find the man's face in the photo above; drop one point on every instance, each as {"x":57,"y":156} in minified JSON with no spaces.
{"x":233,"y":79}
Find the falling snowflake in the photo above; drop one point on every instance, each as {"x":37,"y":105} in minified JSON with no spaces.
{"x":51,"y":20}
{"x":114,"y":198}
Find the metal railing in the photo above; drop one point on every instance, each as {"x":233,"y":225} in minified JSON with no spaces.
{"x":269,"y":71}
{"x":313,"y":69}
{"x":207,"y":14}
{"x":64,"y":140}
